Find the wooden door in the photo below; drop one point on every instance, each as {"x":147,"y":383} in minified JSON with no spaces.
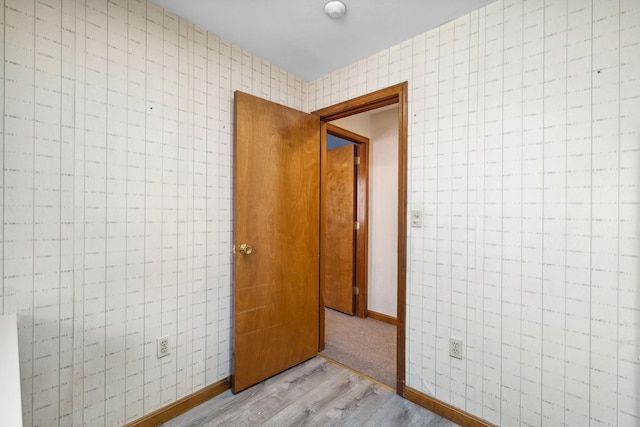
{"x":337,"y":268}
{"x":276,"y":288}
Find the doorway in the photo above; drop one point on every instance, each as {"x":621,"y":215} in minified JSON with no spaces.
{"x":344,"y":221}
{"x":393,"y":95}
{"x":273,"y":302}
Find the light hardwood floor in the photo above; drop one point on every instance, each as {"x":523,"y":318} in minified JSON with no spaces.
{"x":315,"y":393}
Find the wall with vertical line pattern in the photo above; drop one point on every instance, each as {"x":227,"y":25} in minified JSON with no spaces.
{"x":116,"y":188}
{"x":524,"y":157}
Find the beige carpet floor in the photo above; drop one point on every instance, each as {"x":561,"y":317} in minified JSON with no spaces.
{"x":365,"y":345}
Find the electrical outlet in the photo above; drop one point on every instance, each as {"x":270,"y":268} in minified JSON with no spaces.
{"x":455,"y":348}
{"x":164,"y":349}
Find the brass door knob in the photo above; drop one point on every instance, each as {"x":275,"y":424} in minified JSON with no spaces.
{"x":246,"y":249}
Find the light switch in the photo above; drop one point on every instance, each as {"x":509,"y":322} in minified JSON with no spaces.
{"x":416,"y":219}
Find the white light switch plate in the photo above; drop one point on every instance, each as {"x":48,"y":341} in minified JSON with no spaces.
{"x":416,"y":219}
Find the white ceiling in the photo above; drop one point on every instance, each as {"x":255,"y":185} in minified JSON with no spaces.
{"x":297,"y":36}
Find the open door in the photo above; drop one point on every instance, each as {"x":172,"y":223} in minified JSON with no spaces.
{"x":338,"y":265}
{"x":344,"y":201}
{"x":276,"y":218}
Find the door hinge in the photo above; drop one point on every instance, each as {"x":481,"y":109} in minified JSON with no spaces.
{"x":356,"y":290}
{"x":356,"y":160}
{"x":356,"y":225}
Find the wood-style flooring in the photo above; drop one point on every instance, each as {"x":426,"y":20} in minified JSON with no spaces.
{"x":315,"y":393}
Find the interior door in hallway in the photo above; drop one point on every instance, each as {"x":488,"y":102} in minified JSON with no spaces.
{"x":338,"y":266}
{"x":276,"y":219}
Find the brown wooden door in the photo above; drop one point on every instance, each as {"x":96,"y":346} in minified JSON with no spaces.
{"x":276,"y":292}
{"x":338,"y":263}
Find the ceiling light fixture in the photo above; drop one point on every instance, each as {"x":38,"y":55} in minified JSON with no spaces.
{"x":335,"y":9}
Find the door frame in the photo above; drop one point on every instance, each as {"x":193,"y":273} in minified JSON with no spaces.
{"x":397,"y":94}
{"x":361,"y":241}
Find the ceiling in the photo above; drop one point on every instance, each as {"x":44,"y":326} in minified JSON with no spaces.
{"x":298,"y":37}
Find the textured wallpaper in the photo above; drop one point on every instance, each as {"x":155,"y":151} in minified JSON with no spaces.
{"x":117,"y":202}
{"x":524,"y":157}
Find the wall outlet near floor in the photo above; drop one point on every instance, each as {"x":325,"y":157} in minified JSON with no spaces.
{"x":455,"y":348}
{"x":164,"y":349}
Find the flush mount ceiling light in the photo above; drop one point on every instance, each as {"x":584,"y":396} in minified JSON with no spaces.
{"x":335,"y":9}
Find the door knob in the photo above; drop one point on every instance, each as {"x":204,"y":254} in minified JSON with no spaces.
{"x":245,"y":249}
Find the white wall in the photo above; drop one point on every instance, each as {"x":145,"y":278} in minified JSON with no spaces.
{"x":383,"y":214}
{"x":524,"y":155}
{"x":117,"y":202}
{"x":382,"y":131}
{"x":10,"y":393}
{"x":358,"y":123}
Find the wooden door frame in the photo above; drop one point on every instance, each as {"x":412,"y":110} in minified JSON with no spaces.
{"x":397,"y":94}
{"x":362,"y":199}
